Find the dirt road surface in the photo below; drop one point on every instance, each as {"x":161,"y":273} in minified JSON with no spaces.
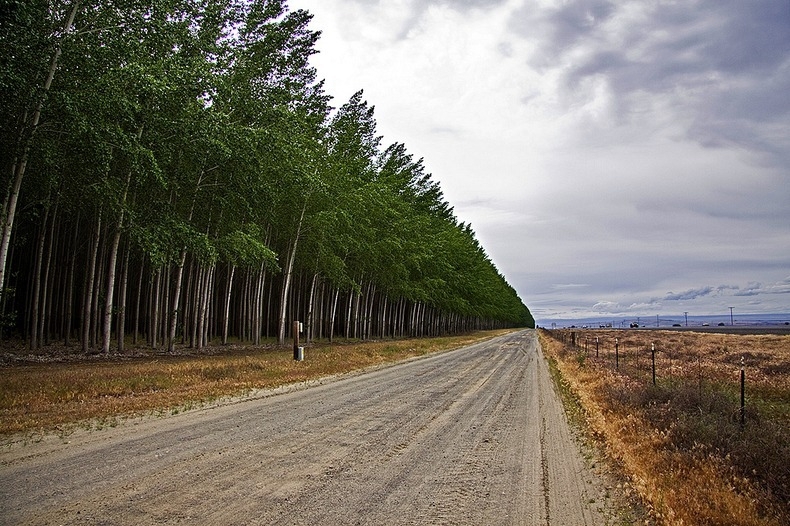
{"x":474,"y":436}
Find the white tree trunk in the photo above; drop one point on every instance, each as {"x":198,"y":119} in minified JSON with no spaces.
{"x":310,"y":308}
{"x":171,"y":339}
{"x":120,"y":329}
{"x":86,"y":311}
{"x":288,"y":274}
{"x":227,"y":305}
{"x":34,"y":343}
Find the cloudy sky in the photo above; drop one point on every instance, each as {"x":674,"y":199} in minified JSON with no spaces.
{"x":614,"y":158}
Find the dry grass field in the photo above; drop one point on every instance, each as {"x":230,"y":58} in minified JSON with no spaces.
{"x":58,"y":390}
{"x":680,"y":440}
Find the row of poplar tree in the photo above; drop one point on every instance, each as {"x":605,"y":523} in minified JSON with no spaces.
{"x":174,"y":173}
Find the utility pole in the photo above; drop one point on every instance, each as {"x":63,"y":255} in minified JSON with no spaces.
{"x":687,"y":318}
{"x":732,"y":322}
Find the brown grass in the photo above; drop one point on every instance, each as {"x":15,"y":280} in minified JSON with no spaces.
{"x":680,"y":440}
{"x":55,"y":395}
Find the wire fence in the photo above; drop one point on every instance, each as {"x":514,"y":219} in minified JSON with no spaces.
{"x":653,"y":362}
{"x":720,"y":396}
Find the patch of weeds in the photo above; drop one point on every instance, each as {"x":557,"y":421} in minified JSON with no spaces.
{"x":102,"y":423}
{"x":581,"y":359}
{"x":220,"y":372}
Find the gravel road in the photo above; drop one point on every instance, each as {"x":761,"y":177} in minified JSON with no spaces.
{"x":474,"y":436}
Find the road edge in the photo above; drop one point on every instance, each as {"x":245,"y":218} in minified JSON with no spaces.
{"x":623,"y":504}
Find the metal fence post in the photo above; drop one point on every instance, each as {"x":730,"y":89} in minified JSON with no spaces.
{"x":743,"y":394}
{"x":653,"y":352}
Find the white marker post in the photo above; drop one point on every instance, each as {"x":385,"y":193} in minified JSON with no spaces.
{"x":298,"y":351}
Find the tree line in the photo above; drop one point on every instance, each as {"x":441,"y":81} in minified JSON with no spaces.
{"x":174,"y":173}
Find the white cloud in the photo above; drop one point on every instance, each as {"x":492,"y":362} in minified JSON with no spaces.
{"x":607,"y":307}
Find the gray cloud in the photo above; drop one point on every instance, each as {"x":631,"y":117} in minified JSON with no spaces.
{"x":419,"y":7}
{"x":718,"y":70}
{"x":467,"y":4}
{"x":726,"y":64}
{"x":615,"y":308}
{"x":574,"y":21}
{"x":689,"y":294}
{"x":757,"y":288}
{"x":567,"y":286}
{"x":641,"y":147}
{"x":752,"y":289}
{"x":672,"y":43}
